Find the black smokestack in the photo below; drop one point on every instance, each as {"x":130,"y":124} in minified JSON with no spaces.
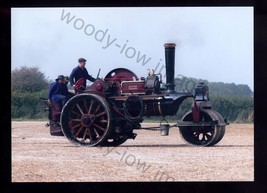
{"x":169,"y":60}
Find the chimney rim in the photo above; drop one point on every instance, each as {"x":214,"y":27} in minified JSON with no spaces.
{"x":169,"y":45}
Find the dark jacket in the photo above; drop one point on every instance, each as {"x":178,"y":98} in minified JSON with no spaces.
{"x":78,"y":73}
{"x":65,"y":90}
{"x":55,"y":89}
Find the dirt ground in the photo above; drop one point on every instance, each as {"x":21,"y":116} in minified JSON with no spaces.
{"x":39,"y":157}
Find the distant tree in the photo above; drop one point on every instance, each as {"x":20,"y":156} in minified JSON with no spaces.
{"x":28,"y":79}
{"x":226,"y":89}
{"x":234,"y":102}
{"x":28,"y":105}
{"x":28,"y":84}
{"x":186,"y":84}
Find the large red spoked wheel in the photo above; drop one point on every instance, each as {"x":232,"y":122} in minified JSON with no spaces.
{"x":203,"y":135}
{"x":86,"y":120}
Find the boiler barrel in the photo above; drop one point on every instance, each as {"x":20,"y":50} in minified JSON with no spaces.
{"x":169,"y":60}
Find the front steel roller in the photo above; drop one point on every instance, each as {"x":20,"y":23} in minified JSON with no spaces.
{"x":85,"y":120}
{"x":204,"y":135}
{"x":221,"y":129}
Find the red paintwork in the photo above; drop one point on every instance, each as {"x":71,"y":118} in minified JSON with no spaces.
{"x":120,"y":74}
{"x":196,"y":112}
{"x":134,"y":87}
{"x":79,"y":85}
{"x":56,"y":110}
{"x":97,"y":88}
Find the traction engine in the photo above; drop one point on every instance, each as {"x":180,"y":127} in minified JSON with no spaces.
{"x":108,"y":111}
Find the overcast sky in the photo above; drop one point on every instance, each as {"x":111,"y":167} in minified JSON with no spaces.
{"x":213,"y":43}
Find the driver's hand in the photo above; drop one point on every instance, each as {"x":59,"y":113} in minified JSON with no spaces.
{"x":49,"y":101}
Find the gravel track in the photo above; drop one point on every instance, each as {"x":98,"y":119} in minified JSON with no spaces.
{"x":39,"y":157}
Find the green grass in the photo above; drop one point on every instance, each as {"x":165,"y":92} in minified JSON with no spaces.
{"x":28,"y":119}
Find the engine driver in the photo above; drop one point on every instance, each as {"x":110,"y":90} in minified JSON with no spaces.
{"x":80,"y":73}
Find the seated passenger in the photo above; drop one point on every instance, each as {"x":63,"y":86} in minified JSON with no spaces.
{"x":57,"y":92}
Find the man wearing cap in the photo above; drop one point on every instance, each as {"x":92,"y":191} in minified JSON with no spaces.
{"x":80,"y":72}
{"x":57,"y":91}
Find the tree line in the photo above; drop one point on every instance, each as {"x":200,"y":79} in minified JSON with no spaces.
{"x":28,"y":84}
{"x":234,"y":102}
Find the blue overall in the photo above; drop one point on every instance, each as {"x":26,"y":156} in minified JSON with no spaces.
{"x":58,"y":93}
